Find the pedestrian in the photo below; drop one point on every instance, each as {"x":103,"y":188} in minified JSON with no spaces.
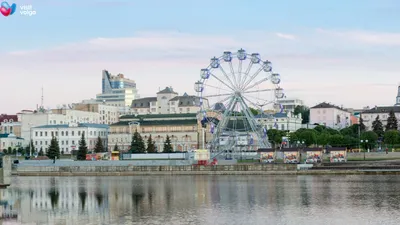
{"x":387,"y":150}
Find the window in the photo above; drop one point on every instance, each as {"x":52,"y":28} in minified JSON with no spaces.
{"x":91,"y":133}
{"x":62,"y":142}
{"x":73,"y":142}
{"x":41,"y":142}
{"x":66,"y":133}
{"x":283,"y":126}
{"x":79,"y":133}
{"x":56,"y":133}
{"x":52,"y":133}
{"x":66,"y":142}
{"x":66,"y":149}
{"x":95,"y":133}
{"x":36,"y":133}
{"x":41,"y":133}
{"x":45,"y":142}
{"x":45,"y":134}
{"x":35,"y":142}
{"x":72,"y":133}
{"x":90,"y":142}
{"x":62,"y":133}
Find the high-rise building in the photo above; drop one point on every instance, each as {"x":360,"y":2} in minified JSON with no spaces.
{"x":117,"y":90}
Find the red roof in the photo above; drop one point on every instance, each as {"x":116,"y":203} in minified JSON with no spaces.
{"x":8,"y":117}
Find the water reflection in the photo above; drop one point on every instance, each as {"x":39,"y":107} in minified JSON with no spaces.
{"x":205,"y":200}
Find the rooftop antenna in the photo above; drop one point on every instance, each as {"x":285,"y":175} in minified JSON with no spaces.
{"x":41,"y":105}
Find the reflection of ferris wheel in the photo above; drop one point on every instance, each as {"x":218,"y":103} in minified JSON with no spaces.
{"x":229,"y":87}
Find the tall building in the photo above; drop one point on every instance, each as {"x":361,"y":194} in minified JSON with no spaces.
{"x":290,"y":104}
{"x":117,"y":90}
{"x":167,"y":101}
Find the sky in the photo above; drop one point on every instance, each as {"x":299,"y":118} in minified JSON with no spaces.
{"x":338,"y":51}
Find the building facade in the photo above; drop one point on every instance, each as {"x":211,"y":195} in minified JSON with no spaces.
{"x":68,"y":135}
{"x":9,"y":124}
{"x":370,"y":115}
{"x":11,"y":141}
{"x":290,"y":104}
{"x":117,"y":90}
{"x":330,"y":115}
{"x":167,"y":101}
{"x":183,"y":130}
{"x":108,"y":114}
{"x":55,"y":117}
{"x":280,"y":121}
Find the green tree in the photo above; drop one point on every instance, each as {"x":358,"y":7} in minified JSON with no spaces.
{"x":372,"y":138}
{"x":391,"y":137}
{"x":82,"y":149}
{"x":116,"y":148}
{"x":323,"y":138}
{"x":336,"y":140}
{"x":41,"y":153}
{"x":14,"y":151}
{"x":167,"y":146}
{"x":99,"y":145}
{"x":361,"y":124}
{"x":9,"y":150}
{"x":377,"y":127}
{"x":254,"y":111}
{"x":53,"y":152}
{"x":141,"y":145}
{"x":151,"y":148}
{"x":309,"y":136}
{"x":305,"y":113}
{"x":391,"y":121}
{"x":275,"y":137}
{"x":135,"y":143}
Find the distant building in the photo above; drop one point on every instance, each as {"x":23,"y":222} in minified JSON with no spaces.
{"x":330,"y":115}
{"x":280,"y":121}
{"x":183,"y":130}
{"x":370,"y":115}
{"x":167,"y":102}
{"x":398,"y":97}
{"x":10,"y":141}
{"x":290,"y":104}
{"x":117,"y":90}
{"x":68,"y":135}
{"x":108,"y":114}
{"x":9,"y":124}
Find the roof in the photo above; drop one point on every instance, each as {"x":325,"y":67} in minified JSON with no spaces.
{"x":143,"y":102}
{"x":382,"y":109}
{"x":271,"y":116}
{"x":12,"y":136}
{"x":187,"y":100}
{"x":8,"y":117}
{"x":167,"y":90}
{"x":325,"y":105}
{"x":159,"y":122}
{"x":90,"y":125}
{"x":154,"y":116}
{"x":312,"y":149}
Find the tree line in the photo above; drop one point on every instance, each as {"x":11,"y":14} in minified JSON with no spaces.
{"x":138,"y":145}
{"x":351,"y":137}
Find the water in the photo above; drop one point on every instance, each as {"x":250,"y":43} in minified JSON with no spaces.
{"x":204,"y":200}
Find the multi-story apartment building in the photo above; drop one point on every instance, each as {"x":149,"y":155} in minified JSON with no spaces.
{"x":117,"y":90}
{"x":280,"y":121}
{"x":289,"y":104}
{"x":108,"y":114}
{"x":330,"y":115}
{"x":167,"y":102}
{"x":370,"y":115}
{"x":68,"y":135}
{"x":9,"y":124}
{"x":54,"y":117}
{"x":183,"y":129}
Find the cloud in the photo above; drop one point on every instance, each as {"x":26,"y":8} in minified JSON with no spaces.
{"x":286,"y":36}
{"x":317,"y":65}
{"x":373,"y":38}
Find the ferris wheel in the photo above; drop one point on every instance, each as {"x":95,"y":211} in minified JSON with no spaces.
{"x":230,"y":89}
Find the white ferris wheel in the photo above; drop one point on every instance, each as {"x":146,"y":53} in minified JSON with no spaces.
{"x":230,"y":88}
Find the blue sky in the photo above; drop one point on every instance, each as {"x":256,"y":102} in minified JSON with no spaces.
{"x":310,"y":41}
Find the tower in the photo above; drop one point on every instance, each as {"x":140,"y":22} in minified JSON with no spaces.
{"x":398,"y":96}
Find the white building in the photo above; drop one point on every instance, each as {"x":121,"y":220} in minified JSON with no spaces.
{"x":167,"y":102}
{"x":11,"y":141}
{"x":290,"y":104}
{"x":108,"y":114}
{"x":370,"y":115}
{"x":280,"y":121}
{"x":117,"y":90}
{"x":330,"y":115}
{"x":55,"y":117}
{"x":69,"y":135}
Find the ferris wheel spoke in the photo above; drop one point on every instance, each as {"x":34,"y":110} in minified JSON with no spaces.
{"x":262,"y":90}
{"x":259,"y":99}
{"x":233,"y":73}
{"x":256,"y":83}
{"x":222,"y":82}
{"x":217,"y":95}
{"x":240,"y":72}
{"x":226,"y":76}
{"x":246,"y":73}
{"x":252,"y":78}
{"x":251,"y":102}
{"x":212,"y":86}
{"x":223,"y":101}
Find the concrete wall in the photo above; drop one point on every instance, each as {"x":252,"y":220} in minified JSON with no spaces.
{"x":149,"y":170}
{"x":156,"y":156}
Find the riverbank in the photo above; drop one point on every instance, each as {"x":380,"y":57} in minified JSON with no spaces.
{"x":237,"y":169}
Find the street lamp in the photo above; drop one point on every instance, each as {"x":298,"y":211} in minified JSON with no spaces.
{"x":366,"y":143}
